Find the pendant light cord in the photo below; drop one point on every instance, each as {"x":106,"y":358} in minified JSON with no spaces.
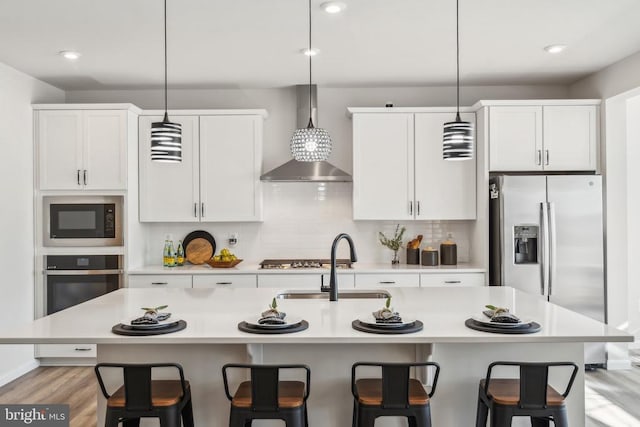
{"x":166,"y":116}
{"x":457,"y":63}
{"x":310,"y":125}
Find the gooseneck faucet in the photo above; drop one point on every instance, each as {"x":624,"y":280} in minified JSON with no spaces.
{"x":333,"y":279}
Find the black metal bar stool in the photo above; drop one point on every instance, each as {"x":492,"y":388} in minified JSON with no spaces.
{"x":530,"y":395}
{"x":394,"y":394}
{"x":266,"y":397}
{"x":142,"y":397}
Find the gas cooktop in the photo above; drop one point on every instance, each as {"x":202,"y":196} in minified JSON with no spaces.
{"x":281,"y":264}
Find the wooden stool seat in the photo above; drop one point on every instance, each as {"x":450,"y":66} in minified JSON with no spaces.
{"x":291,"y":394}
{"x":370,"y":392}
{"x":507,"y":392}
{"x":163,"y":393}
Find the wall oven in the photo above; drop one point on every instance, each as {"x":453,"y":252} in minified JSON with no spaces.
{"x":82,"y":221}
{"x":74,"y":279}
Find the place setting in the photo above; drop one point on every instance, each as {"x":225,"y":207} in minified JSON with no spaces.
{"x":500,"y":320}
{"x":273,"y":321}
{"x":152,"y":322}
{"x":386,"y":321}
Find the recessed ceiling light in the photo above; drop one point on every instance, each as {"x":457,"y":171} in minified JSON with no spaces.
{"x":333,"y":6}
{"x":555,"y":48}
{"x":310,"y":52}
{"x":70,"y":54}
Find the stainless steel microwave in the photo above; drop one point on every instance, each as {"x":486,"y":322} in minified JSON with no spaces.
{"x":82,"y":221}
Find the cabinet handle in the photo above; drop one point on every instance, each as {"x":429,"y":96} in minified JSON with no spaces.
{"x":410,"y":208}
{"x":452,"y":281}
{"x":418,"y":208}
{"x":546,"y":157}
{"x":78,"y":177}
{"x":539,"y":158}
{"x":202,"y":210}
{"x":387,"y":282}
{"x":86,"y":180}
{"x":195,"y":210}
{"x":159,"y":283}
{"x":82,"y":349}
{"x":224,"y":283}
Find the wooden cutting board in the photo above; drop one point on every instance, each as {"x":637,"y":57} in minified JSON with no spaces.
{"x":198,"y":251}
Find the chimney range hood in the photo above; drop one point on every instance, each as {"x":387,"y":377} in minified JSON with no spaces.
{"x":295,"y":171}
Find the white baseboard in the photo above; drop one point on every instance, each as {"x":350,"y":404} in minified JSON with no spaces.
{"x":620,"y":364}
{"x":18,"y":372}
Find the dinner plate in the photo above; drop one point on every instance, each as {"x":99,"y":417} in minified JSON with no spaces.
{"x":371,"y":321}
{"x":163,"y":324}
{"x":290,"y":322}
{"x":486,"y":321}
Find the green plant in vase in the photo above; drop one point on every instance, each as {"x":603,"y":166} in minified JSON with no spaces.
{"x":394,"y":243}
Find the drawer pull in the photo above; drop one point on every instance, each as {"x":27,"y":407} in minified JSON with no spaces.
{"x":82,"y":349}
{"x":159,"y":283}
{"x":387,"y":282}
{"x":224,"y":283}
{"x":452,"y":281}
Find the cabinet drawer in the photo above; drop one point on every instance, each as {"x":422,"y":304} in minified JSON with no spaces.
{"x":387,"y":280}
{"x":345,"y":281}
{"x":65,"y":350}
{"x":225,"y":280}
{"x":289,"y":281}
{"x":160,"y":281}
{"x":452,"y":279}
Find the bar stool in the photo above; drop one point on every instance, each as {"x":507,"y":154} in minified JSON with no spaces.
{"x":266,"y":397}
{"x":142,"y":397}
{"x":530,"y":395}
{"x":395,"y":394}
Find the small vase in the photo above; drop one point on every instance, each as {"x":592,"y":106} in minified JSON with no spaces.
{"x":395,"y":260}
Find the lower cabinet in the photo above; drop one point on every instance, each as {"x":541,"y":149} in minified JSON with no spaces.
{"x":452,"y":279}
{"x":65,"y":350}
{"x":387,"y":280}
{"x":225,"y":280}
{"x":178,"y":281}
{"x":303,"y":281}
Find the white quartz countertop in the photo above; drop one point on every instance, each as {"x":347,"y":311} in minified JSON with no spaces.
{"x":358,"y":267}
{"x":212,"y":316}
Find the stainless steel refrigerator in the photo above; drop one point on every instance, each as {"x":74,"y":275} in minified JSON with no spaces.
{"x":547,"y":239}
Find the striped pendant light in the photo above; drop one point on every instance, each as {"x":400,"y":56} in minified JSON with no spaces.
{"x":166,"y":136}
{"x":457,"y":141}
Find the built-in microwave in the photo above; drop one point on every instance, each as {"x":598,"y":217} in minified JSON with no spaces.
{"x":82,"y":221}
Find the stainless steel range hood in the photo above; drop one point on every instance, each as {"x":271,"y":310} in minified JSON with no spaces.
{"x":295,"y":171}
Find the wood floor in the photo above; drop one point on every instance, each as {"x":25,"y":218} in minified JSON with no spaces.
{"x":611,"y":396}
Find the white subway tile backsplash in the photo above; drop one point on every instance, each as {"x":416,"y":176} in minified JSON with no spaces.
{"x":301,"y":220}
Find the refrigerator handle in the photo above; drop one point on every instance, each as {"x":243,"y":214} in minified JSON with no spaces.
{"x":552,"y":245}
{"x":544,"y":256}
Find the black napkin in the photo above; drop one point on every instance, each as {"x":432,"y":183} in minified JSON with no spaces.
{"x":151,"y":319}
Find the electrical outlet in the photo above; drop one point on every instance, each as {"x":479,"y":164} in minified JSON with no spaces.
{"x":233,"y":239}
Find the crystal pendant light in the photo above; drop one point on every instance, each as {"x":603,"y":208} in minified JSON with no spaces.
{"x":310,"y":144}
{"x":166,"y":137}
{"x":457,"y":143}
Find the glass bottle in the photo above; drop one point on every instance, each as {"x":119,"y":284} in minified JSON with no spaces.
{"x":171,"y":259}
{"x":180,"y":254}
{"x":165,"y":254}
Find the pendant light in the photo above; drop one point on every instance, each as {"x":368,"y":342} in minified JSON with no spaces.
{"x":310,"y":144}
{"x":166,"y":137}
{"x":457,"y":143}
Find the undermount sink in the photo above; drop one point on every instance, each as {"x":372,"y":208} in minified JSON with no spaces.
{"x":350,"y":294}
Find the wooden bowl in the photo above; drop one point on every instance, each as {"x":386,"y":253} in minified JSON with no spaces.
{"x":223,"y":264}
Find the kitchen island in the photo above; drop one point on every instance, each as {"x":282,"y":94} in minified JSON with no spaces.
{"x":330,"y":345}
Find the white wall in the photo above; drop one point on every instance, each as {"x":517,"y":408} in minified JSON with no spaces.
{"x":612,"y":80}
{"x":18,"y":91}
{"x":633,"y":211}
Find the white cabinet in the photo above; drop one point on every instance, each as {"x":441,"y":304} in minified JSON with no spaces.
{"x":399,"y":172}
{"x":218,"y":178}
{"x":542,"y":138}
{"x":225,"y":281}
{"x":63,"y":351}
{"x":452,"y":279}
{"x":82,"y":149}
{"x":387,"y":281}
{"x":304,"y":281}
{"x":160,"y":281}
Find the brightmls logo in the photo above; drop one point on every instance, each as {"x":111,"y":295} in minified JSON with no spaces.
{"x":34,"y":415}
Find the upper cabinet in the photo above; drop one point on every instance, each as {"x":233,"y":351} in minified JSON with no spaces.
{"x":219,"y":176}
{"x":399,"y":172}
{"x":543,"y":137}
{"x":82,"y":148}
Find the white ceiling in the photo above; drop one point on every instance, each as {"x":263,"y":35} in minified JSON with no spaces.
{"x":256,"y":43}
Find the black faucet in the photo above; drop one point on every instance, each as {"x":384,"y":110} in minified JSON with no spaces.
{"x":333,"y":280}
